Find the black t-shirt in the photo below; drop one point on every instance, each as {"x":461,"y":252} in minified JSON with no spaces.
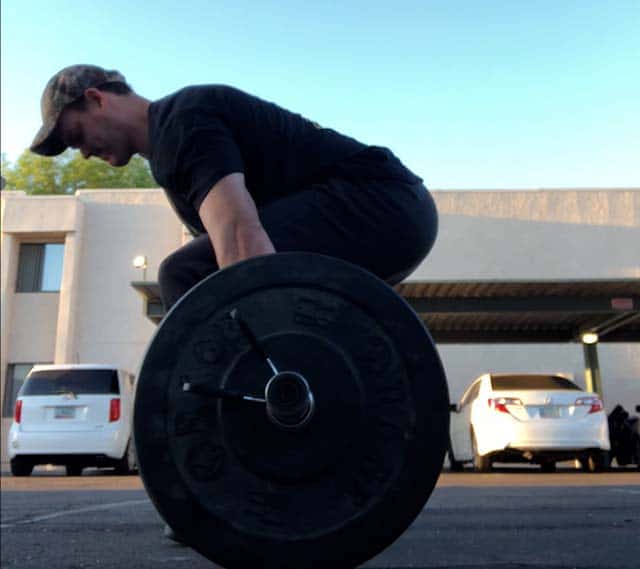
{"x":201,"y":134}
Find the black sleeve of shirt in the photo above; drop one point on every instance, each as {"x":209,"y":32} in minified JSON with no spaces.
{"x":205,"y":152}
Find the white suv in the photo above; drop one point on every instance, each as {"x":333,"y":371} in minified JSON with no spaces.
{"x":538,"y":418}
{"x":76,"y":415}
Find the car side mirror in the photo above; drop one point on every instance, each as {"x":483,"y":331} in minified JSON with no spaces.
{"x":637,"y":408}
{"x":454,"y":408}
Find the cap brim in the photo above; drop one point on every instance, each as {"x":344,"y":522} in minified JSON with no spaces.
{"x":46,"y":142}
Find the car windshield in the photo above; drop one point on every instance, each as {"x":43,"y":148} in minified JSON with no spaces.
{"x":75,"y":381}
{"x":524,"y":382}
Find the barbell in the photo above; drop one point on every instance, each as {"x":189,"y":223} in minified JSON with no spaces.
{"x":291,"y":412}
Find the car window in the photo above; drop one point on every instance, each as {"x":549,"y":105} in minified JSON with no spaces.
{"x":77,"y":381}
{"x":470,"y":395}
{"x":524,"y":382}
{"x":465,"y":398}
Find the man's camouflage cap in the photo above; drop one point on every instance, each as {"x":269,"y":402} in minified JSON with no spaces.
{"x":65,"y":87}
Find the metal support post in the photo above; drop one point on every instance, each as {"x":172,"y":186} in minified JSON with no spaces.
{"x":592,"y":368}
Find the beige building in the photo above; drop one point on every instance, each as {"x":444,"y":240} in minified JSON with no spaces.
{"x":70,"y":292}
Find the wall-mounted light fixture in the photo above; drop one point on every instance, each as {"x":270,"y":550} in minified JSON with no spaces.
{"x":140,"y":262}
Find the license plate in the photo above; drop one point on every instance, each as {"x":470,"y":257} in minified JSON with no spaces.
{"x":548,"y":411}
{"x":64,"y":413}
{"x":553,"y":411}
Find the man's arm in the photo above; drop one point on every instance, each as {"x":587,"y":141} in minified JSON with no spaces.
{"x":230,"y":217}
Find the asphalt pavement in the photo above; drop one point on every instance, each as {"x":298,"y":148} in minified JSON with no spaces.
{"x":509,"y":519}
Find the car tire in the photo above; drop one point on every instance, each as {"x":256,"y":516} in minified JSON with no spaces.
{"x":21,"y":466}
{"x":622,"y":460}
{"x":480,"y":463}
{"x":548,"y":467}
{"x":455,"y":465}
{"x":127,"y":464}
{"x":74,"y":469}
{"x":598,"y":461}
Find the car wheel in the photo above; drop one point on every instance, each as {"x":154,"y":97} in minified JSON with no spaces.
{"x":480,"y":463}
{"x":127,"y":464}
{"x":455,"y":465}
{"x":596,"y":462}
{"x":20,"y":466}
{"x":621,"y":460}
{"x":548,"y":467}
{"x":74,"y":469}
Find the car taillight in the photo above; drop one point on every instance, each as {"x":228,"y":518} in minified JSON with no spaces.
{"x":594,"y":402}
{"x":17,"y":413}
{"x":500,"y":403}
{"x":114,"y":410}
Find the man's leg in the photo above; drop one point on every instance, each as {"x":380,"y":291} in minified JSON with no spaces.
{"x":385,"y":226}
{"x":181,"y":270}
{"x":185,"y":268}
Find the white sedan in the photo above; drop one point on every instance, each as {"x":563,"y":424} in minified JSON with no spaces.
{"x":536,"y":418}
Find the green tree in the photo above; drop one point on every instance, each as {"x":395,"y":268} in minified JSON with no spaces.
{"x":68,"y":172}
{"x":33,"y":174}
{"x":5,"y":166}
{"x":78,"y":173}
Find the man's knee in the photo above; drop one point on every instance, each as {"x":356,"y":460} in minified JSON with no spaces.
{"x":166,"y":271}
{"x":184,"y":268}
{"x":169,"y":279}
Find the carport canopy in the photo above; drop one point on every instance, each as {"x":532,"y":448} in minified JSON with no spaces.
{"x":492,"y":311}
{"x":527,"y":311}
{"x":489,"y":311}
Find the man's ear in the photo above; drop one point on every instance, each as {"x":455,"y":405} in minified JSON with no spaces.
{"x":94,"y":96}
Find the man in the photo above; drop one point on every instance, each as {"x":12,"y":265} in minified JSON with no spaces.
{"x":245,"y":176}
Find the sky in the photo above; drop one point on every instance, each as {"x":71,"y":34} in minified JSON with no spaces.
{"x":475,"y":94}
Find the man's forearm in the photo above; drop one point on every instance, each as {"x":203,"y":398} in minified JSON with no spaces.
{"x":240,"y":240}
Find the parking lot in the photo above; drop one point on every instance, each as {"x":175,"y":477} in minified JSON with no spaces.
{"x":511,"y":518}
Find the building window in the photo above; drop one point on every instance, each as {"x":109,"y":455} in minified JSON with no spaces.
{"x":40,"y":267}
{"x":15,"y":378}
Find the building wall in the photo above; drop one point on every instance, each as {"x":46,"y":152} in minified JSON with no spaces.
{"x":97,"y":317}
{"x":538,"y":235}
{"x":33,"y":333}
{"x":119,"y":226}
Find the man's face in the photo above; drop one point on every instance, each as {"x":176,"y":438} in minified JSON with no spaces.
{"x":96,"y":131}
